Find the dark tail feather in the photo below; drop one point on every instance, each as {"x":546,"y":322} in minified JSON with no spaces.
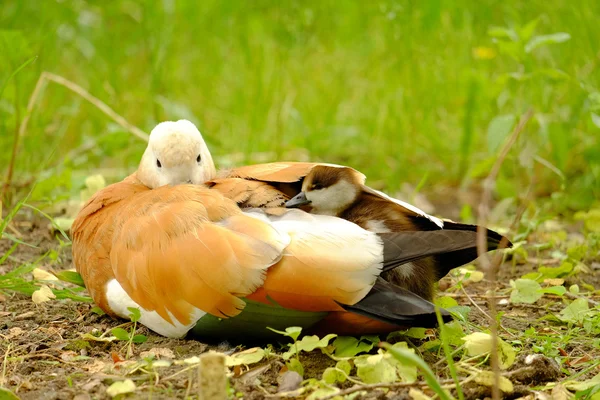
{"x":448,"y":261}
{"x":402,"y":247}
{"x":392,"y":304}
{"x":493,"y":237}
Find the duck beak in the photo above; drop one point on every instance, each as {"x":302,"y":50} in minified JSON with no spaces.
{"x":297,"y":201}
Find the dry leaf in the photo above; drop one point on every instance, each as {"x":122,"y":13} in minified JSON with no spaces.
{"x":68,"y":355}
{"x":416,"y":394}
{"x":42,"y":295}
{"x":95,"y":366}
{"x":25,"y":315}
{"x":43,"y":275}
{"x":554,"y":282}
{"x":116,"y":357}
{"x":158,"y":353}
{"x":559,"y":392}
{"x":14,"y":332}
{"x":105,"y":339}
{"x":486,"y":378}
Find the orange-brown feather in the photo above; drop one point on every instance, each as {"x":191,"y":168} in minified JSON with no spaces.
{"x":173,"y":248}
{"x":249,"y":194}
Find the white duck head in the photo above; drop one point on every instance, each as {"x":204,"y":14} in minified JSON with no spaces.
{"x":176,"y":154}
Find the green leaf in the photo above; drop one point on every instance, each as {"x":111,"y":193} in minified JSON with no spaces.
{"x":135,"y":314}
{"x":348,"y":346}
{"x":498,"y":130}
{"x":323,"y":392}
{"x":308,"y":343}
{"x":525,"y":291}
{"x":502,"y":33}
{"x":15,"y":72}
{"x":246,"y":357}
{"x":445,"y":302}
{"x":454,"y":332}
{"x":295,"y":365}
{"x":591,"y":219}
{"x":333,"y":375}
{"x":596,"y":119}
{"x":120,"y":333}
{"x":6,"y":394}
{"x":344,"y":366}
{"x":375,"y":369}
{"x":139,"y":339}
{"x":416,"y":333}
{"x":575,"y":312}
{"x":554,"y":74}
{"x":292,"y":332}
{"x":527,"y":31}
{"x":71,"y":277}
{"x":480,"y":343}
{"x":543,"y":40}
{"x":574,"y":289}
{"x":584,"y":385}
{"x":97,"y":310}
{"x":121,"y":387}
{"x":564,"y":269}
{"x":384,"y":367}
{"x":406,"y":356}
{"x":556,"y":290}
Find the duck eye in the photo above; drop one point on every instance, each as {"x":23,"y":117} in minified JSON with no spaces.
{"x":158,"y":164}
{"x":198,"y":159}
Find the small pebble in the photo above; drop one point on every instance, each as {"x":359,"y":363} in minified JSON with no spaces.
{"x":289,"y":381}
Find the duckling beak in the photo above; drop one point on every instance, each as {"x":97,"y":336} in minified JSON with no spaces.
{"x":297,"y":201}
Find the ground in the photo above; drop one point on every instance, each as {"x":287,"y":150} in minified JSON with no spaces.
{"x":45,"y":356}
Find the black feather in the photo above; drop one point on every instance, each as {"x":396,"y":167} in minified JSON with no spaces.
{"x":394,"y":305}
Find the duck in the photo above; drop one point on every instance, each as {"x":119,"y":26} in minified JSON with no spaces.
{"x":336,"y":190}
{"x":195,"y":263}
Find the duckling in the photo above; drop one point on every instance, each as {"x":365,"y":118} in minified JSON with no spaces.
{"x":340,"y":192}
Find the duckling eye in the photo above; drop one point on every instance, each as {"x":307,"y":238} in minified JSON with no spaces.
{"x":158,"y":164}
{"x":317,"y":186}
{"x":198,"y":159}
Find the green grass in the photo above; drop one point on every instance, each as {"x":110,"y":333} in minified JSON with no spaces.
{"x":400,"y":90}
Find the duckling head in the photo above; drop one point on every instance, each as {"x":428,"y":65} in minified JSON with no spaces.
{"x":328,"y":189}
{"x":176,"y":154}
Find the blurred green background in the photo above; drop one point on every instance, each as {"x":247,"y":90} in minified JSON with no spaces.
{"x":419,"y":92}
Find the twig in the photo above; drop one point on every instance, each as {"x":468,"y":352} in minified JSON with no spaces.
{"x":4,"y":366}
{"x":98,"y":103}
{"x":489,"y":317}
{"x":475,"y":296}
{"x":33,"y":99}
{"x":489,"y":267}
{"x":19,"y":133}
{"x":392,"y":385}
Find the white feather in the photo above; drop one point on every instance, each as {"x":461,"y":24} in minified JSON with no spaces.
{"x":119,"y":300}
